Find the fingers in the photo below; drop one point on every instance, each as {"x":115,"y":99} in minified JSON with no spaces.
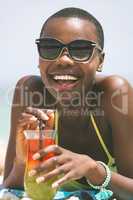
{"x":55,"y":149}
{"x":63,"y":180}
{"x":27,"y":122}
{"x":40,"y":114}
{"x":44,"y":167}
{"x":31,"y":117}
{"x":64,"y":170}
{"x":65,"y":163}
{"x":46,"y":115}
{"x":27,"y":119}
{"x":50,"y":171}
{"x":54,"y":166}
{"x":49,"y":164}
{"x":56,"y":172}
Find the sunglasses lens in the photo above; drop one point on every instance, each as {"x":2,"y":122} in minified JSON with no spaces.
{"x":81,"y":50}
{"x":49,"y":48}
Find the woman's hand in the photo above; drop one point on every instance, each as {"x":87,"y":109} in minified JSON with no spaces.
{"x":71,"y":166}
{"x":28,"y":121}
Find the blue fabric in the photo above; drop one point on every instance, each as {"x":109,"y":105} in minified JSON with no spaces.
{"x":103,"y":194}
{"x":15,"y":192}
{"x":63,"y":195}
{"x":81,"y":194}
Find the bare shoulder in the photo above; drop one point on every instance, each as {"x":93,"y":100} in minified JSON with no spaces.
{"x":117,"y":93}
{"x":112,"y":83}
{"x":29,"y":80}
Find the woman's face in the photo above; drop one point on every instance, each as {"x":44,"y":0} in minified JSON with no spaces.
{"x":67,"y":30}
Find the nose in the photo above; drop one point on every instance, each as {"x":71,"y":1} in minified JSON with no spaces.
{"x":64,"y":58}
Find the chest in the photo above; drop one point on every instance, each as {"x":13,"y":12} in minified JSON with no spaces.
{"x":80,"y":136}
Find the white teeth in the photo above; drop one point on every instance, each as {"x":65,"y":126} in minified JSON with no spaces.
{"x":65,"y":77}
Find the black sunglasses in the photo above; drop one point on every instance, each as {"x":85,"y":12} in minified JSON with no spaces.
{"x":78,"y":50}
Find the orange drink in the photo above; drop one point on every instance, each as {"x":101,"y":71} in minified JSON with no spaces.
{"x":36,"y":140}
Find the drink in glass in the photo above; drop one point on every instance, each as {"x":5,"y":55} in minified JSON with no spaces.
{"x":37,"y":140}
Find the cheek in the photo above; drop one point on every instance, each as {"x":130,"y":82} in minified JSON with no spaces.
{"x":43,"y":75}
{"x":43,"y":65}
{"x":43,"y":69}
{"x":91,"y":68}
{"x":90,"y":71}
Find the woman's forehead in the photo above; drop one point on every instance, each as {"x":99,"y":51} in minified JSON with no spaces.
{"x":68,"y":29}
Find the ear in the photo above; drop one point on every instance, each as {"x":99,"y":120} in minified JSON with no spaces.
{"x":101,"y":60}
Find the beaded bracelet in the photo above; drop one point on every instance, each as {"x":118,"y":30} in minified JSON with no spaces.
{"x":106,"y":181}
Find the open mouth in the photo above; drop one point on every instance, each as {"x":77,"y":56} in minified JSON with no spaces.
{"x":66,"y":78}
{"x":65,"y":81}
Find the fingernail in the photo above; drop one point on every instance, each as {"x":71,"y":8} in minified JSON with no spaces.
{"x":46,"y":117}
{"x":40,"y":179}
{"x":36,"y":156}
{"x":55,"y":185}
{"x":50,"y":111}
{"x":33,"y":118}
{"x":32,"y":172}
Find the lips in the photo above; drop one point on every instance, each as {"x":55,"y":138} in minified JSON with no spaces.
{"x":64,"y":81}
{"x":65,"y":78}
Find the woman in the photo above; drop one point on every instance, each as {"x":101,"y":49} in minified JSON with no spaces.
{"x":70,"y":52}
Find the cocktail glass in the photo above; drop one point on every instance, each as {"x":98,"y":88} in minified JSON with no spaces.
{"x":36,"y":140}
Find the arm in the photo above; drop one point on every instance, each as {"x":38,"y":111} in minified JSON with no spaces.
{"x":14,"y":171}
{"x":10,"y":165}
{"x":119,"y":109}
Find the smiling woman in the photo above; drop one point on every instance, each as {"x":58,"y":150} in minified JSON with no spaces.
{"x":89,"y":161}
{"x":69,"y":49}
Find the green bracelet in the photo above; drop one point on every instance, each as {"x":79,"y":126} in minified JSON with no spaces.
{"x":106,"y":181}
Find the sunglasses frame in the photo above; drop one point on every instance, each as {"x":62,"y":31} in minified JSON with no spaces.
{"x":65,"y":46}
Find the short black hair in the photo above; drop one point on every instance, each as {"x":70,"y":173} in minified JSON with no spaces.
{"x":82,"y":14}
